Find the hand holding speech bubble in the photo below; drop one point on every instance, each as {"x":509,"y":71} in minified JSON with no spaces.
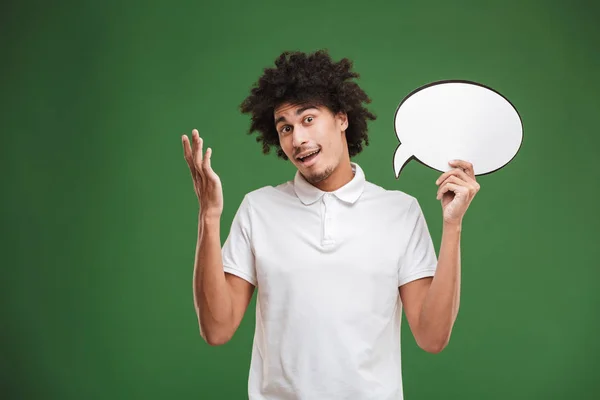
{"x":457,"y":120}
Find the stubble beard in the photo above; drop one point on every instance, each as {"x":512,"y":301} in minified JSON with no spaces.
{"x":319,"y":177}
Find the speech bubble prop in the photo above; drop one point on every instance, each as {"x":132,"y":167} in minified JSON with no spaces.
{"x":450,"y":120}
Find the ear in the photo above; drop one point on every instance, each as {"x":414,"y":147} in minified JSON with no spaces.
{"x":343,"y":120}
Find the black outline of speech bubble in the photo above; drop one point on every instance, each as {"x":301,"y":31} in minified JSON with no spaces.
{"x":413,"y":157}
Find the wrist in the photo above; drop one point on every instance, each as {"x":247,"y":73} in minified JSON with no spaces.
{"x":209,"y":218}
{"x":452,"y":226}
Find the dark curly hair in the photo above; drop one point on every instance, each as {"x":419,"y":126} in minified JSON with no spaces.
{"x":298,"y":78}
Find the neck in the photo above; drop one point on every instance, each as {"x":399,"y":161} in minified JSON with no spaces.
{"x":338,"y":178}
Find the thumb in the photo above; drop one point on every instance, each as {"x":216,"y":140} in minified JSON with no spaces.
{"x":207,"y":165}
{"x":207,"y":159}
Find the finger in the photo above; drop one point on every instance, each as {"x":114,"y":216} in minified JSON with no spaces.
{"x":208,"y":171}
{"x":193,"y":145}
{"x":465,"y":165}
{"x":468,"y":185}
{"x":454,"y":179}
{"x":439,"y":191}
{"x":207,"y":165}
{"x":462,"y":180}
{"x":187,"y":154}
{"x":468,"y":178}
{"x":187,"y":149}
{"x":198,"y":143}
{"x":456,"y":171}
{"x":450,"y":187}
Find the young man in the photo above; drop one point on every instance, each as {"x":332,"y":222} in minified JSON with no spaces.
{"x":335,"y":258}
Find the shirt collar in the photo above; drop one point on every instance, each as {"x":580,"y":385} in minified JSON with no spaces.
{"x":348,"y":193}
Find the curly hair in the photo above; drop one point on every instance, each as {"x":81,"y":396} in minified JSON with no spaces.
{"x":299,"y":78}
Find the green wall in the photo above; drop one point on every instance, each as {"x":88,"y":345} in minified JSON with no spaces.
{"x":99,"y":215}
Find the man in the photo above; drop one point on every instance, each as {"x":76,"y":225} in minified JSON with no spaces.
{"x":334,"y":257}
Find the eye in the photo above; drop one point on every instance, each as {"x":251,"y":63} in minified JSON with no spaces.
{"x":285,"y":129}
{"x":308,"y":119}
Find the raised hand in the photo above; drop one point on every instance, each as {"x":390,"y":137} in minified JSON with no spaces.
{"x":456,"y":190}
{"x":207,"y":183}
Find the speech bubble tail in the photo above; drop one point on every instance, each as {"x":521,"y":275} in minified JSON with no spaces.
{"x":402,"y":156}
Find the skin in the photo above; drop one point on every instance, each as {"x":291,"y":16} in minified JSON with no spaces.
{"x":430,"y":304}
{"x":220,"y":299}
{"x":306,"y":127}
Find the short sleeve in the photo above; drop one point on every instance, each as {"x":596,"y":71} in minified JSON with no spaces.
{"x":237,"y":252}
{"x":419,"y":259}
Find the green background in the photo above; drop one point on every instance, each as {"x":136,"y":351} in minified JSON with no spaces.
{"x":99,"y":215}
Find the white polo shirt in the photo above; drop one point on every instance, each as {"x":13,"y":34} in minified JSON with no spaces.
{"x":327,"y":267}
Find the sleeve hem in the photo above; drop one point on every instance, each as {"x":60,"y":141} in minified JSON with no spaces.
{"x":417,"y":275}
{"x":240,"y":274}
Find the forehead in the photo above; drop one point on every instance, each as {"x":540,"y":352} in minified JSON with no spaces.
{"x":294,"y":108}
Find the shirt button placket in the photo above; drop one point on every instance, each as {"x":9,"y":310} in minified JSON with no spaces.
{"x":328,"y":202}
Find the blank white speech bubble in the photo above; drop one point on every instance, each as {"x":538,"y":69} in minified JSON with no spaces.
{"x":457,"y":120}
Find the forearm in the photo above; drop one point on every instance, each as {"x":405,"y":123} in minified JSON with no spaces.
{"x":212,"y":296}
{"x":440,"y":307}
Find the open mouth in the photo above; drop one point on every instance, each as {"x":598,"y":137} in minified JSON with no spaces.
{"x":309,"y":158}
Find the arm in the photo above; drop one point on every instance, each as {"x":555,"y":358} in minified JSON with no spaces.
{"x":431,"y":304}
{"x":220,"y":299}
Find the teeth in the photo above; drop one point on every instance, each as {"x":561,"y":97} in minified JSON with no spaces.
{"x":309,"y":154}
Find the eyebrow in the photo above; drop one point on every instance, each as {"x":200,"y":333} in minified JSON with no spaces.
{"x":298,"y":112}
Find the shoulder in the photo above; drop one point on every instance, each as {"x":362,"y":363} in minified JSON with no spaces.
{"x":268,"y":195}
{"x":387,"y":197}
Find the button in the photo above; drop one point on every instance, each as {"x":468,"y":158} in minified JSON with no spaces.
{"x":328,"y":243}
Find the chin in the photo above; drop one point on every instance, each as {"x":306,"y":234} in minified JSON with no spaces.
{"x":318,"y":174}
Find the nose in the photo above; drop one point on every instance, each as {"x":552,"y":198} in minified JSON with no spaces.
{"x":299,"y":136}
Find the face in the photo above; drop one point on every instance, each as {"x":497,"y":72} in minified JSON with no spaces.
{"x":313,"y":138}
